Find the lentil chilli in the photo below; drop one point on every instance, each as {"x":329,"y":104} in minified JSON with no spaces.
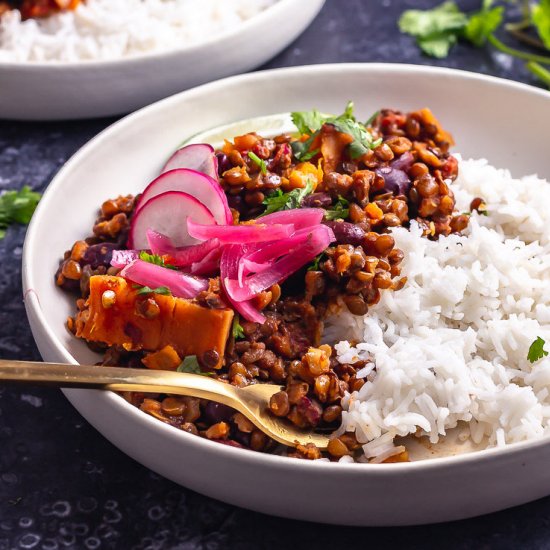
{"x":333,"y":191}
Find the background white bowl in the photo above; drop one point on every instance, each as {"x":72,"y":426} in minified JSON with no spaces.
{"x":503,"y":121}
{"x":103,"y":88}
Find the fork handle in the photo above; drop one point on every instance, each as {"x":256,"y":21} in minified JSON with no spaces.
{"x":116,"y":379}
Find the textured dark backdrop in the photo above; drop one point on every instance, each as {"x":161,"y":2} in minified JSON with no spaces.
{"x":62,"y":485}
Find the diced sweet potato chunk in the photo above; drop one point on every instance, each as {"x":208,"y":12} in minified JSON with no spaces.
{"x":165,"y":359}
{"x":129,"y":322}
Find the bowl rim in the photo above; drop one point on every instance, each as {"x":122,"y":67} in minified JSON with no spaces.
{"x":276,"y":9}
{"x":32,"y":301}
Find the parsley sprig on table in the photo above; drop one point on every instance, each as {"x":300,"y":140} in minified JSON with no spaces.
{"x":17,"y":207}
{"x":310,"y":123}
{"x":440,"y":28}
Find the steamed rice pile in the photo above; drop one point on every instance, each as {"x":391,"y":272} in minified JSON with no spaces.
{"x":110,"y":29}
{"x":452,"y":345}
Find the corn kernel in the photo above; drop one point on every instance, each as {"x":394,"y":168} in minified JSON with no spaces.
{"x":108,"y":299}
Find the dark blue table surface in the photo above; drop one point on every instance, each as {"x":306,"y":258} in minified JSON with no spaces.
{"x":62,"y":485}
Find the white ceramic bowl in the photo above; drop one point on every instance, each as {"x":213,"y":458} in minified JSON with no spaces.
{"x":503,"y":121}
{"x":103,"y":88}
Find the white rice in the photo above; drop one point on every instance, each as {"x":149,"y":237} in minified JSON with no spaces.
{"x":452,"y":345}
{"x":111,"y":29}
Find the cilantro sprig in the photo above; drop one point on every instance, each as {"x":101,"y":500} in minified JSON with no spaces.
{"x":155,"y":259}
{"x":164,"y":290}
{"x":340,"y":211}
{"x":536,"y":350}
{"x":311,"y":122}
{"x":191,"y":365}
{"x":258,"y":162}
{"x":237,"y":330}
{"x":287,"y":201}
{"x":315,"y":264}
{"x":438,"y":29}
{"x":17,"y":207}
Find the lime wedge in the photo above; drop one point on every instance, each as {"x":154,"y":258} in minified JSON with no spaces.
{"x":266,"y":126}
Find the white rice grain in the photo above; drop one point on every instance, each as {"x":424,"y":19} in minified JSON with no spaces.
{"x":113,"y":29}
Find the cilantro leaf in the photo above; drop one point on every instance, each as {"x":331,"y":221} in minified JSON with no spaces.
{"x":437,"y":45}
{"x":237,"y":330}
{"x":300,"y":149}
{"x":258,"y":162}
{"x":541,"y":20}
{"x":315,"y":264}
{"x":287,"y":201}
{"x":308,"y":122}
{"x":435,"y":30}
{"x":484,"y":23}
{"x":536,"y":350}
{"x":191,"y":365}
{"x":164,"y":290}
{"x":155,"y":259}
{"x":17,"y":207}
{"x":312,"y":121}
{"x":340,"y":211}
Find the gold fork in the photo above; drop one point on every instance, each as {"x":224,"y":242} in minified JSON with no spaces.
{"x":252,"y":401}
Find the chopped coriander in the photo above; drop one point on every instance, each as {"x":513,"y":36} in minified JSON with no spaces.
{"x":536,"y":350}
{"x":287,"y":201}
{"x":310,"y":122}
{"x":17,"y":207}
{"x":315,"y":264}
{"x":191,"y":365}
{"x":258,"y":161}
{"x":237,"y":330}
{"x":340,"y":211}
{"x":164,"y":290}
{"x":154,"y":259}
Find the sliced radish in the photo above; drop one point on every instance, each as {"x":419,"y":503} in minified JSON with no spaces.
{"x":198,"y":156}
{"x":167,"y":213}
{"x":205,"y":189}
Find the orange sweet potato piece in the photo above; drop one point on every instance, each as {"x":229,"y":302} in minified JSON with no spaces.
{"x":333,"y":144}
{"x":188,"y":327}
{"x":165,"y":359}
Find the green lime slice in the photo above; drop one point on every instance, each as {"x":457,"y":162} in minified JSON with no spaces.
{"x":266,"y":126}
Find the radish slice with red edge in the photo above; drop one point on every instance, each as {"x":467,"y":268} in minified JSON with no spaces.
{"x":167,"y":214}
{"x":299,"y":217}
{"x":198,"y":156}
{"x":239,"y":234}
{"x":317,"y":240}
{"x":182,"y":256}
{"x":154,"y":276}
{"x":122,"y":258}
{"x":205,"y":189}
{"x":229,"y":265}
